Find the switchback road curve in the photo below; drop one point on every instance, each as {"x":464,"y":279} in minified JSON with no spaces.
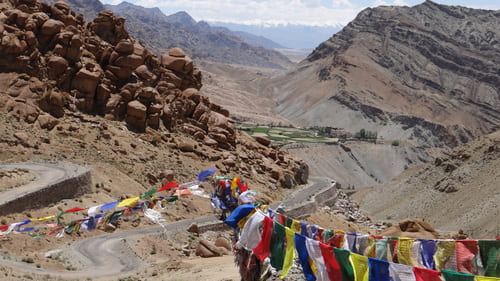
{"x":109,"y":254}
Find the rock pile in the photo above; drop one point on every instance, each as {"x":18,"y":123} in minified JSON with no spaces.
{"x":349,"y":210}
{"x":52,"y":63}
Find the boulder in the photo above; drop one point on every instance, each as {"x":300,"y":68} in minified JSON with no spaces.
{"x":168,"y":175}
{"x":173,"y":63}
{"x":121,"y":73}
{"x":124,"y":47}
{"x":193,"y":228}
{"x":57,"y":65}
{"x":63,"y":6}
{"x":210,"y":246}
{"x":203,"y":252}
{"x":143,"y":72}
{"x":209,"y":141}
{"x":136,"y":115}
{"x":263,"y":141}
{"x":136,"y":109}
{"x":86,"y":81}
{"x":51,"y":27}
{"x":176,"y":52}
{"x":130,"y":61}
{"x":46,"y":121}
{"x":186,"y":146}
{"x":224,"y":243}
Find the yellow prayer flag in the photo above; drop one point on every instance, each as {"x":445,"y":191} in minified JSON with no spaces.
{"x":234,"y":184}
{"x":359,"y":266}
{"x":404,"y":250}
{"x":444,"y":251}
{"x":244,"y":220}
{"x":129,"y":202}
{"x":289,"y":253}
{"x":44,"y":218}
{"x":295,"y":226}
{"x":370,"y":250}
{"x":483,"y":278}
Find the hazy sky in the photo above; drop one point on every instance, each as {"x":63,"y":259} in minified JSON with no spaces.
{"x":272,"y":12}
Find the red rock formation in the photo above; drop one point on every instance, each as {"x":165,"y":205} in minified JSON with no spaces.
{"x":63,"y":64}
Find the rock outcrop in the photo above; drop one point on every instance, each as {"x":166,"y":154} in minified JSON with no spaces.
{"x":428,"y":72}
{"x":52,"y":62}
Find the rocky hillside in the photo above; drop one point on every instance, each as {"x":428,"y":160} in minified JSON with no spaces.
{"x":428,"y":72}
{"x":457,"y":191}
{"x":53,"y":64}
{"x":160,"y":33}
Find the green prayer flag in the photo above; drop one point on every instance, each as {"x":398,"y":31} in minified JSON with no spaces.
{"x":288,"y":222}
{"x":342,"y":257}
{"x":456,"y":276}
{"x":490,"y":251}
{"x":277,"y":246}
{"x":327,"y":234}
{"x":381,"y":249}
{"x":149,"y":193}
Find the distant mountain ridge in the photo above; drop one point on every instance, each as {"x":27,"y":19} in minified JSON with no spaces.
{"x":160,"y":32}
{"x":429,"y":73}
{"x":291,"y":36}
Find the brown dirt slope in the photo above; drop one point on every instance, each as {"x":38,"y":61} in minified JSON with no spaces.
{"x":428,"y":72}
{"x":458,"y":191}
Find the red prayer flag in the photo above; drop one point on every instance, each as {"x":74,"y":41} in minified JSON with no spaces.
{"x":319,"y":236}
{"x":424,"y":274}
{"x":336,"y":240}
{"x":168,"y":186}
{"x":76,"y":209}
{"x":281,"y":219}
{"x":466,"y":251}
{"x":332,"y":266}
{"x":263,"y":248}
{"x":243,"y":186}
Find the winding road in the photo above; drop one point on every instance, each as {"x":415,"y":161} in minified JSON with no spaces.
{"x":109,"y":254}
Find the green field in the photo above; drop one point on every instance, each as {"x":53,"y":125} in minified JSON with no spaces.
{"x":284,"y":135}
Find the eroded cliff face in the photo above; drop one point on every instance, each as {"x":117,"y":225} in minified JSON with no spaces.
{"x":429,"y":72}
{"x":52,"y":63}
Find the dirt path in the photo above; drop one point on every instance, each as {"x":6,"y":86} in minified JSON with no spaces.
{"x":109,"y":254}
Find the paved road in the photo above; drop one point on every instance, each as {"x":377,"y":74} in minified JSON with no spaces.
{"x":108,"y":255}
{"x":46,"y":174}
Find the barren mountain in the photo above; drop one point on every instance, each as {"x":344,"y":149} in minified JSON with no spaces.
{"x":200,"y":40}
{"x":357,"y":164}
{"x":52,"y":65}
{"x":160,"y":32}
{"x":457,"y":191}
{"x":428,"y":72}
